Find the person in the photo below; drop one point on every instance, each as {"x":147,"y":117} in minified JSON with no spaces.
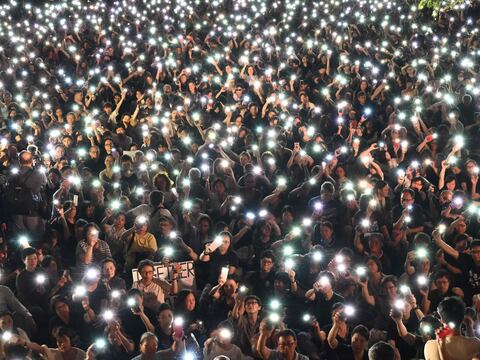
{"x":139,"y":243}
{"x":358,"y":348}
{"x":91,"y":250}
{"x":110,"y":277}
{"x":28,"y":214}
{"x":64,"y":349}
{"x":452,"y":345}
{"x":381,"y":350}
{"x":287,"y":344}
{"x":149,"y":344}
{"x":154,"y":288}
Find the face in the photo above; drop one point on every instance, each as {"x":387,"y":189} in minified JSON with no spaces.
{"x":64,"y":343}
{"x":109,"y":270}
{"x":476,"y":254}
{"x":31,"y":262}
{"x":147,"y":274}
{"x":391,"y":290}
{"x":372,"y":266}
{"x":359,"y":343}
{"x":62,"y":310}
{"x":93,"y":152}
{"x":149,"y":346}
{"x":252,"y":306}
{"x":225,"y":245}
{"x":230,"y":287}
{"x":287,"y":346}
{"x":6,"y":322}
{"x":92,"y":235}
{"x":326,"y":232}
{"x":442,"y":284}
{"x":190,"y":302}
{"x":406,"y":200}
{"x":165,"y":319}
{"x":120,"y":220}
{"x":266,"y":264}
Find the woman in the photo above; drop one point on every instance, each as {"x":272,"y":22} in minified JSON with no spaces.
{"x":114,"y":233}
{"x":65,"y":350}
{"x":13,"y":336}
{"x":63,"y":316}
{"x":220,"y":343}
{"x":108,"y":174}
{"x":139,"y":243}
{"x":164,"y":327}
{"x":162,"y":182}
{"x":224,"y":256}
{"x":186,"y":307}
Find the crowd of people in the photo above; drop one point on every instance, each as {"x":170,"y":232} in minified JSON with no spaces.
{"x":252,"y":179}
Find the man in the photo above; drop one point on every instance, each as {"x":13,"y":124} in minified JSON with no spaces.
{"x":322,"y":297}
{"x":149,"y":346}
{"x":135,"y":318}
{"x":408,"y":216}
{"x":454,"y":345}
{"x":246,"y":319}
{"x":469,"y":264}
{"x":261,"y":281}
{"x":286,"y":348}
{"x":154,"y":289}
{"x":27,"y":200}
{"x":381,"y":351}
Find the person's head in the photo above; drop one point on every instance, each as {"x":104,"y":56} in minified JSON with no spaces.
{"x":59,"y":306}
{"x":407,"y":198}
{"x":92,"y":232}
{"x":360,"y":336}
{"x":381,"y":351}
{"x":135,"y":295}
{"x":267,"y":261}
{"x":475,"y":251}
{"x":227,"y":237}
{"x":326,"y":282}
{"x":253,"y":304}
{"x":326,"y":230}
{"x":156,"y":198}
{"x":148,"y":343}
{"x":374,"y":264}
{"x":427,"y":327}
{"x":287,"y":343}
{"x":30,"y":259}
{"x":146,"y":269}
{"x":281,"y":282}
{"x":165,"y":316}
{"x":389,"y":284}
{"x":375,"y":242}
{"x":185,"y":301}
{"x":451,"y":311}
{"x":109,"y":268}
{"x":141,"y":224}
{"x":26,"y":158}
{"x":120,"y":220}
{"x":6,"y":321}
{"x":231,"y":285}
{"x":63,"y":337}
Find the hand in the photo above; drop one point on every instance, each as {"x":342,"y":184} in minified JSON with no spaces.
{"x":337,"y":318}
{"x":411,"y":256}
{"x":411,"y":300}
{"x":85,"y":303}
{"x":458,"y":291}
{"x":177,"y":268}
{"x":291,"y":275}
{"x":396,"y":315}
{"x":474,"y":179}
{"x":265,"y":329}
{"x":444,"y":164}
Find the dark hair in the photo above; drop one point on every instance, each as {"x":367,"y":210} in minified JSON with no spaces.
{"x":156,"y":198}
{"x":283,"y":277}
{"x":163,"y":307}
{"x":253,"y":297}
{"x":389,"y":278}
{"x":88,"y":226}
{"x":27,"y":252}
{"x":381,"y":351}
{"x":452,"y":310}
{"x":109,"y":259}
{"x":134,"y":291}
{"x":409,"y":191}
{"x":62,"y":331}
{"x":376,"y":260}
{"x":361,"y":330}
{"x":268,"y":254}
{"x":47,"y":260}
{"x":330,"y":275}
{"x":442,"y":273}
{"x":287,"y":332}
{"x":181,"y":298}
{"x":475,"y":243}
{"x":143,"y":263}
{"x":56,"y":300}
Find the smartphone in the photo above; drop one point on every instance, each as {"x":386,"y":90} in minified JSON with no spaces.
{"x":224,"y":274}
{"x":75,"y":200}
{"x":442,"y":334}
{"x":177,"y":327}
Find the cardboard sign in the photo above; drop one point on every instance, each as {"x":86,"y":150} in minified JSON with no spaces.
{"x":186,"y":278}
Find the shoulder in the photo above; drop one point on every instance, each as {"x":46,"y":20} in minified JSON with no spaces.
{"x":431,"y":349}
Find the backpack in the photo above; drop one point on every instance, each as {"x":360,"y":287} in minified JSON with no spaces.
{"x":19,"y":199}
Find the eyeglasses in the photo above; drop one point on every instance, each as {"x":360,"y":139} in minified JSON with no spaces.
{"x":288,"y":344}
{"x":147,"y":272}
